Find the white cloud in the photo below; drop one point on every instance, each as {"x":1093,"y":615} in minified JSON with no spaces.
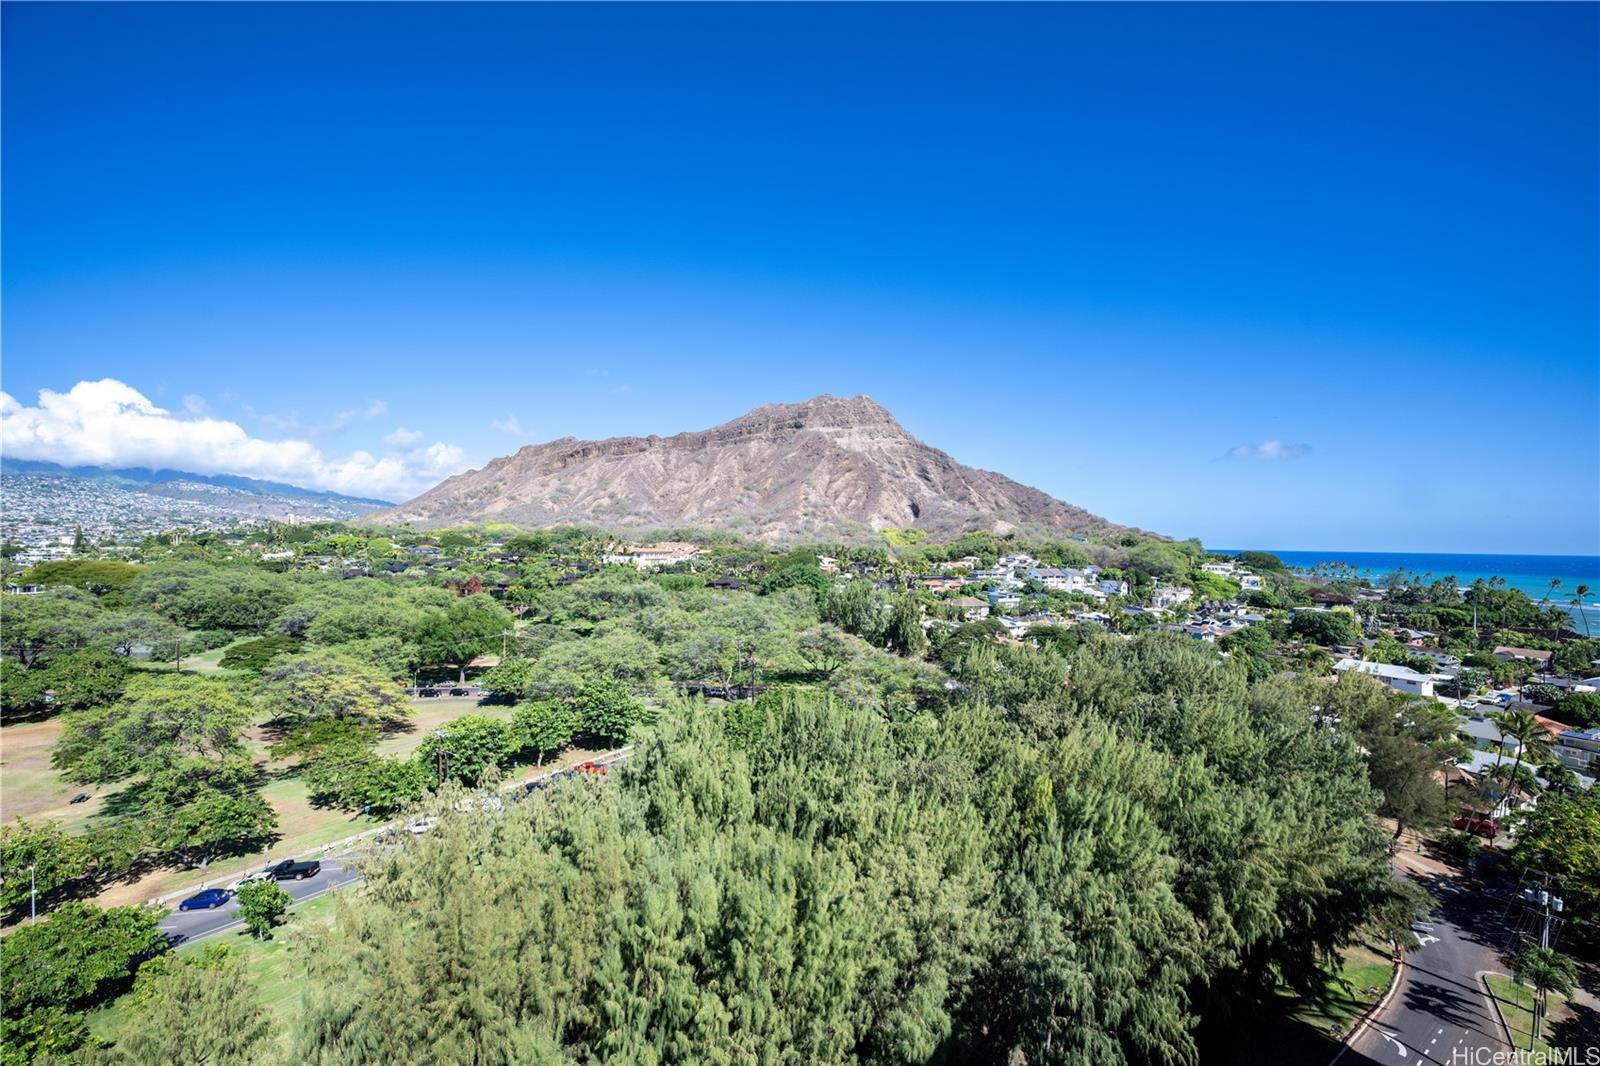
{"x":509,"y":424}
{"x":289,"y":421}
{"x":402,"y":437}
{"x":108,"y":423}
{"x":1269,"y":450}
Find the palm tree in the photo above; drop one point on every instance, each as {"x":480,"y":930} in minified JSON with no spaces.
{"x":1547,"y":970}
{"x":1533,"y":740}
{"x":1555,"y":583}
{"x":1582,"y":591}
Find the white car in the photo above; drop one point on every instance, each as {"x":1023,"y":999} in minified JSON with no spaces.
{"x":422,"y":825}
{"x":254,"y":875}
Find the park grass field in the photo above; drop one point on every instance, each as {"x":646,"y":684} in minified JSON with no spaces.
{"x":32,"y":789}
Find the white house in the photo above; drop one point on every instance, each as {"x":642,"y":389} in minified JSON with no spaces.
{"x":1062,"y":580}
{"x":1170,"y":596}
{"x":1400,"y":678}
{"x":1016,"y":627}
{"x":1250,"y":582}
{"x":645,"y":556}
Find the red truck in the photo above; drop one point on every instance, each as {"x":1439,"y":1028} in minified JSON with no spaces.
{"x":1482,"y":827}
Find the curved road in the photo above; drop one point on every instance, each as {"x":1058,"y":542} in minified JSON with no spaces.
{"x":1441,"y":1013}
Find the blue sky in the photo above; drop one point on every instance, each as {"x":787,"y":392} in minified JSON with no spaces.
{"x":1102,"y":249}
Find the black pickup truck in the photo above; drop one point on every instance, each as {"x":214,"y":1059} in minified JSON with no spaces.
{"x":289,"y":870}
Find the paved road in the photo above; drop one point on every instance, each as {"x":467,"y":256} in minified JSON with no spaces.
{"x":181,"y":926}
{"x":1441,"y":1012}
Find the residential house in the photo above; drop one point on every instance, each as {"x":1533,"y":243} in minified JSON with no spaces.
{"x":647,"y":556}
{"x":1016,"y":627}
{"x":939,"y":583}
{"x":1060,"y":580}
{"x":1561,"y":682}
{"x":1579,"y":750}
{"x":1219,"y":569}
{"x":971,"y":608}
{"x":1110,"y":587}
{"x":1250,"y":582}
{"x":1400,"y":678}
{"x":1483,"y":734}
{"x":1003,"y":597}
{"x":997,"y":575}
{"x":1442,"y":659}
{"x":1507,"y":654}
{"x":1168,"y":596}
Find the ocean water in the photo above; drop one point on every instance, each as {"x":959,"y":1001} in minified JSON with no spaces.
{"x":1531,"y":574}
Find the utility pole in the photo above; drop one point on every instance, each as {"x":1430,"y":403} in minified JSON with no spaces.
{"x":33,"y":896}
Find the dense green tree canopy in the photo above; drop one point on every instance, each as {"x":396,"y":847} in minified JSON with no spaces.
{"x":300,"y":689}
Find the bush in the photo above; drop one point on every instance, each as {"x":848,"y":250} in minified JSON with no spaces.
{"x":1581,"y":709}
{"x":262,"y":905}
{"x":76,"y":958}
{"x":254,"y":655}
{"x":806,"y":575}
{"x":201,"y":640}
{"x":1324,"y":627}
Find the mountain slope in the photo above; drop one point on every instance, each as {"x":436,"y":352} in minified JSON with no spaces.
{"x":828,"y":467}
{"x":145,"y":479}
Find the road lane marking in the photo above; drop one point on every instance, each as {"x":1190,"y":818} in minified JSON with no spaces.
{"x":1401,"y":1048}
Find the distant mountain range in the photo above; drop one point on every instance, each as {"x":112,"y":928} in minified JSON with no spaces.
{"x":828,"y":468}
{"x":141,"y":477}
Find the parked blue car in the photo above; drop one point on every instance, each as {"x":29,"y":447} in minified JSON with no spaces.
{"x":206,"y":899}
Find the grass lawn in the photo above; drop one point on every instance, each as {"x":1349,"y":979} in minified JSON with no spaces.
{"x":271,"y":964}
{"x":431,"y":713}
{"x":1351,"y":991}
{"x":1300,"y":1031}
{"x":1516,"y":1007}
{"x":30,"y":788}
{"x":206,"y":662}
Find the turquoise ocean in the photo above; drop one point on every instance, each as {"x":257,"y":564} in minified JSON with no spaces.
{"x":1531,"y":574}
